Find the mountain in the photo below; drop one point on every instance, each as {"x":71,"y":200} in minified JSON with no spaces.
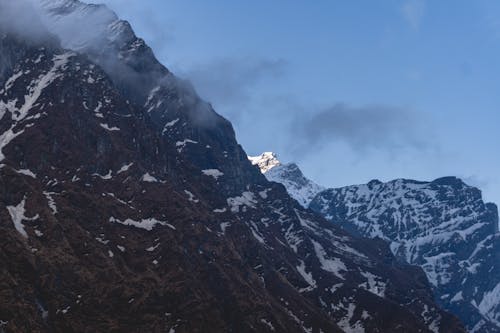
{"x":126,"y":204}
{"x":299,"y":187}
{"x":443,"y":226}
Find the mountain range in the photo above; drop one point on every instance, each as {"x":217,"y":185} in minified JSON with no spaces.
{"x":126,"y":204}
{"x":442,"y":226}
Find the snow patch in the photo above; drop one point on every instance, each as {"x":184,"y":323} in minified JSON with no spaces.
{"x":246,"y":199}
{"x":169,"y":124}
{"x":215,"y":173}
{"x":148,"y":178}
{"x":301,"y":268}
{"x":335,"y":265}
{"x":146,"y":224}
{"x":51,"y":202}
{"x":108,"y":128}
{"x":490,"y":303}
{"x":224,"y":226}
{"x":182,"y":144}
{"x":26,"y":172}
{"x":17,"y":214}
{"x":373,"y":284}
{"x":191,"y":196}
{"x":107,"y":176}
{"x":125,"y":168}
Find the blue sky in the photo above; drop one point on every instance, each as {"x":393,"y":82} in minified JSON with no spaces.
{"x":350,"y":90}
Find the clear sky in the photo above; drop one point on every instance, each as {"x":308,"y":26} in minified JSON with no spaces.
{"x":350,"y":90}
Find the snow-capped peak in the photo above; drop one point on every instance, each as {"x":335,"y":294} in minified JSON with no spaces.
{"x":265,"y":161}
{"x":299,"y":187}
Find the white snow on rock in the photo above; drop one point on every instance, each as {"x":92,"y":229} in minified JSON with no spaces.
{"x":263,"y":194}
{"x":224,"y":226}
{"x":301,"y":268}
{"x":148,"y":178}
{"x":152,"y":248}
{"x":299,"y":187}
{"x":17,"y":214}
{"x":458,"y":297}
{"x":34,"y":92}
{"x":191,"y":196}
{"x":6,"y":138}
{"x":26,"y":172}
{"x":146,"y":224}
{"x":51,"y":201}
{"x":107,"y":176}
{"x":97,"y":110}
{"x":169,"y":124}
{"x":125,"y":168}
{"x":266,"y":161}
{"x":443,"y":226}
{"x":346,"y":323}
{"x":246,"y":199}
{"x":12,"y":79}
{"x":335,"y":265}
{"x":108,"y":128}
{"x":268,"y":324}
{"x":182,"y":144}
{"x":373,"y":284}
{"x":215,"y":173}
{"x":489,"y":303}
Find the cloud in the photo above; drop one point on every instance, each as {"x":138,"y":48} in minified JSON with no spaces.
{"x":148,"y":22}
{"x":228,"y":83}
{"x":20,"y":18}
{"x":413,"y":12}
{"x":362,"y":128}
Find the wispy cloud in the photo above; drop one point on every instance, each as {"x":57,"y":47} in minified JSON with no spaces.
{"x":362,"y":128}
{"x":229,"y":82}
{"x":413,"y":12}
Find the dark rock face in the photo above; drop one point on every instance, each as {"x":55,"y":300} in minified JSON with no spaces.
{"x":139,"y":212}
{"x":443,"y":226}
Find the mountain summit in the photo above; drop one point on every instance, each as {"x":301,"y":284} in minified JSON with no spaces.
{"x":299,"y":187}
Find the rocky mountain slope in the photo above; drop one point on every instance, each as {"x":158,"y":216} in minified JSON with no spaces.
{"x":443,"y":226}
{"x":126,"y":204}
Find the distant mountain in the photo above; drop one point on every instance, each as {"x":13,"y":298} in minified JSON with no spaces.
{"x":127,"y":205}
{"x":443,"y":226}
{"x":299,"y":187}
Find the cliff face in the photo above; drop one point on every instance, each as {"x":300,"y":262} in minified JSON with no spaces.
{"x":136,"y":209}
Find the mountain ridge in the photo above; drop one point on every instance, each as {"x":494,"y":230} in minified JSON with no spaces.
{"x":442,"y":225}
